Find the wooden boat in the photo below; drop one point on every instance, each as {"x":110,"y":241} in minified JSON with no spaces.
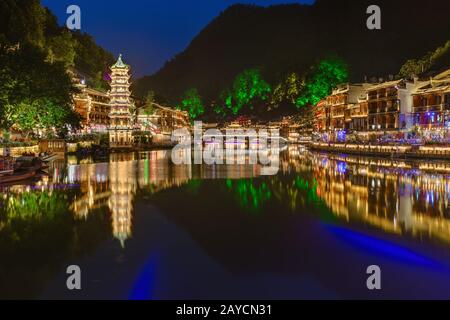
{"x":29,"y":163}
{"x":17,"y":176}
{"x":24,"y":168}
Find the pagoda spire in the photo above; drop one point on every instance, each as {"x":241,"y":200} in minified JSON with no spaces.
{"x":120,"y":63}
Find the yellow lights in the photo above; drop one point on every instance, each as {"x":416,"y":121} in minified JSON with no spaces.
{"x":18,"y":151}
{"x":435,"y":149}
{"x":120,"y":128}
{"x":384,"y":149}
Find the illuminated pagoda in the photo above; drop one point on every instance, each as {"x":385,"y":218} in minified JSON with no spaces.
{"x":120,"y":129}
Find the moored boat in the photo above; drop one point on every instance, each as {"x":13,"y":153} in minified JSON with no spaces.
{"x":20,"y":169}
{"x":17,"y":176}
{"x":29,"y":163}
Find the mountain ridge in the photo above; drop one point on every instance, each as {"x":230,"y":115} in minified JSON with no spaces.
{"x":285,"y":38}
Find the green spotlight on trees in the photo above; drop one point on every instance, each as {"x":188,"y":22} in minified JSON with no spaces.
{"x":326,"y":75}
{"x":192,"y":103}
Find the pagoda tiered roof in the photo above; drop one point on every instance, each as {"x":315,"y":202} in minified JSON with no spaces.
{"x":120,"y":64}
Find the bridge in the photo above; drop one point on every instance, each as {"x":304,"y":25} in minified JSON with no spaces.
{"x":249,"y":135}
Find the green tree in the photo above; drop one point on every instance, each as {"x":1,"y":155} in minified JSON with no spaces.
{"x":149,"y":101}
{"x":225,"y":100}
{"x":288,"y":90}
{"x":325,"y":75}
{"x":415,"y":67}
{"x":35,"y":95}
{"x":61,"y":48}
{"x":248,"y":87}
{"x":23,"y":21}
{"x":192,"y":103}
{"x":92,"y":60}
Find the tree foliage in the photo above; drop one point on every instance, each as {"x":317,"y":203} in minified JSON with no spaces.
{"x":28,"y":22}
{"x":286,"y":38}
{"x":416,"y":67}
{"x":35,"y":54}
{"x":35,"y":95}
{"x":149,"y":101}
{"x":325,"y":75}
{"x":192,"y":103}
{"x":23,"y":21}
{"x":92,"y":60}
{"x":61,"y":48}
{"x":248,"y":88}
{"x":288,"y":90}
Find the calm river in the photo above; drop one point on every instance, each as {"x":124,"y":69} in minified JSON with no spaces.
{"x":140,"y":227}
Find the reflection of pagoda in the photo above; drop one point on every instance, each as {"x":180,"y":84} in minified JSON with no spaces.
{"x":122,"y":174}
{"x":120,"y":134}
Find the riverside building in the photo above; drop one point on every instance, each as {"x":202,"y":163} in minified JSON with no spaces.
{"x":395,"y":108}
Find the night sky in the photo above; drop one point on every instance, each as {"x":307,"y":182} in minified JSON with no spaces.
{"x":149,"y":32}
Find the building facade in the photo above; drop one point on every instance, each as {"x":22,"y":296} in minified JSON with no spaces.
{"x":91,"y":104}
{"x":390,"y":106}
{"x":162,"y":119}
{"x":342,"y":112}
{"x":121,"y":120}
{"x":94,"y":108}
{"x":431,"y":104}
{"x":321,"y":123}
{"x":394,"y":108}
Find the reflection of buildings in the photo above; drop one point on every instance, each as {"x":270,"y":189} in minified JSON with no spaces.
{"x":115,"y":184}
{"x":122,"y":182}
{"x":394,"y":197}
{"x":401,"y":197}
{"x":94,"y":186}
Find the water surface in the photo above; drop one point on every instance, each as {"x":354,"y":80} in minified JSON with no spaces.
{"x":142,"y":228}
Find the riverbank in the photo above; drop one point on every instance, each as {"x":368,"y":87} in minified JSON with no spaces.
{"x":400,"y":152}
{"x":81,"y":148}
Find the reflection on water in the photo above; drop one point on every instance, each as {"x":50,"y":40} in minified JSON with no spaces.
{"x":84,"y":197}
{"x":391,"y":195}
{"x":116,"y":183}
